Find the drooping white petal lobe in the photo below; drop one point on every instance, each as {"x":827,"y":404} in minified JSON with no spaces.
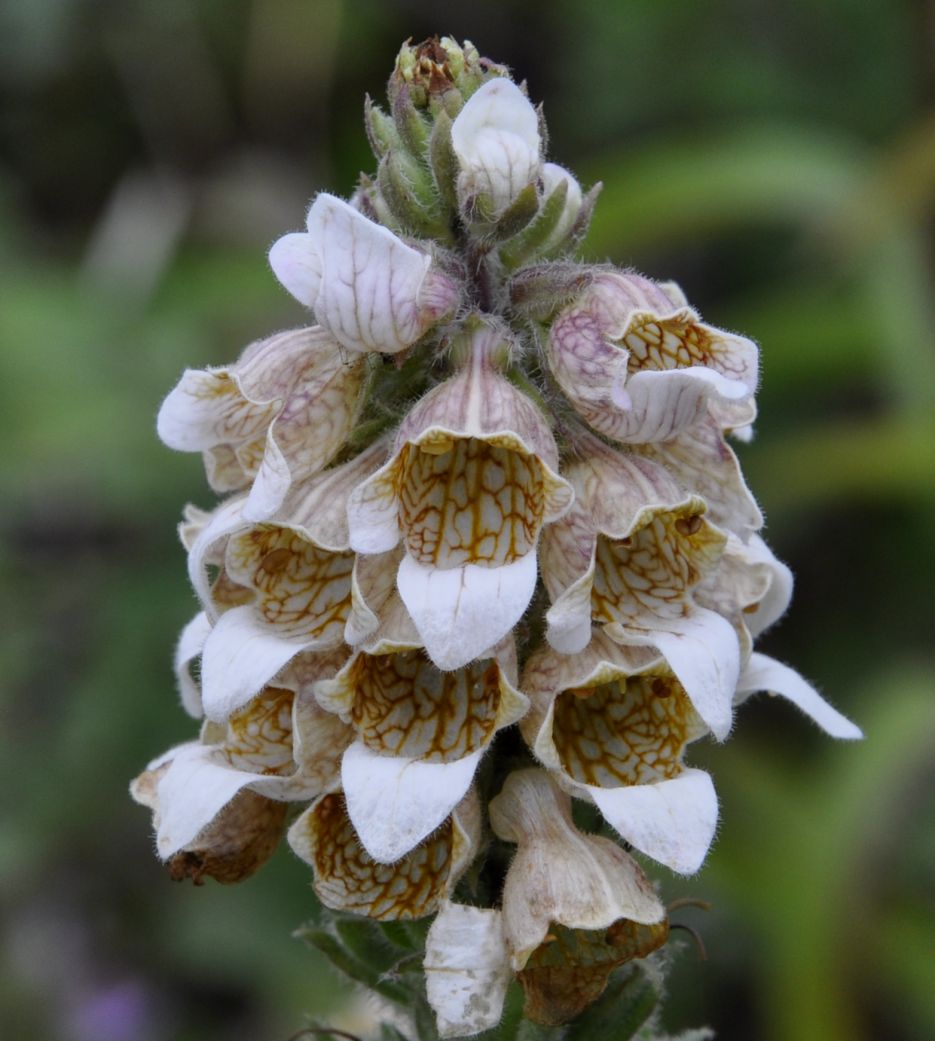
{"x":395,"y":802}
{"x":496,"y":139}
{"x":189,"y":647}
{"x":297,"y":266}
{"x":191,"y":793}
{"x":703,"y":651}
{"x":467,"y":969}
{"x":765,"y":673}
{"x":240,"y":657}
{"x":463,"y":611}
{"x":672,"y":821}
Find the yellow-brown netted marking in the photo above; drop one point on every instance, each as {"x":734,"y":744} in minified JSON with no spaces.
{"x":347,"y":878}
{"x":466,"y":501}
{"x":571,"y":968}
{"x":236,"y":844}
{"x":259,"y":736}
{"x":301,"y":587}
{"x":406,"y":706}
{"x":673,"y":344}
{"x":236,"y":418}
{"x":650,"y":570}
{"x":628,"y":731}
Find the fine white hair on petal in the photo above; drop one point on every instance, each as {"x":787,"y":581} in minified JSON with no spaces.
{"x":395,"y":802}
{"x":765,"y":673}
{"x":703,"y":651}
{"x":463,"y":611}
{"x":240,"y":657}
{"x":672,"y":821}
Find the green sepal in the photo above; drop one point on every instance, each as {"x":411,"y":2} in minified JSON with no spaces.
{"x":579,"y":229}
{"x":518,"y":214}
{"x":524,"y":245}
{"x":443,"y":161}
{"x":410,"y":125}
{"x":380,"y":128}
{"x":540,"y":292}
{"x":408,"y":191}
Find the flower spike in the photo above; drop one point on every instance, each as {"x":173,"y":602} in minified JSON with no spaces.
{"x":484,"y":555}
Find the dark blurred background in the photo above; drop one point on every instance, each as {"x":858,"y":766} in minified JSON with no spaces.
{"x":776,"y":158}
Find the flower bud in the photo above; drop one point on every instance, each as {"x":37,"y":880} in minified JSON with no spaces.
{"x":496,"y":139}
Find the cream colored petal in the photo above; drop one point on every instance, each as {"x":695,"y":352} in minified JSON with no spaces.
{"x":240,"y":657}
{"x":639,"y":367}
{"x":467,"y":969}
{"x":672,"y":821}
{"x":191,"y":792}
{"x":347,"y":877}
{"x":703,"y":651}
{"x":312,"y":426}
{"x":369,"y":295}
{"x":372,"y":583}
{"x":622,"y":730}
{"x":317,"y":507}
{"x":466,"y":501}
{"x":496,"y":139}
{"x":657,"y":405}
{"x":302,"y":591}
{"x":560,"y":875}
{"x":395,"y":802}
{"x":764,"y":673}
{"x":750,"y":587}
{"x":462,"y":612}
{"x":252,"y":418}
{"x":189,"y":648}
{"x":207,"y":408}
{"x":400,"y":704}
{"x":372,"y":511}
{"x":208,"y":549}
{"x":706,"y":465}
{"x":567,"y":556}
{"x":478,"y":402}
{"x":296,"y":262}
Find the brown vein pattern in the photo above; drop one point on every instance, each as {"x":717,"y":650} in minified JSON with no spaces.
{"x":465,"y":501}
{"x":301,"y":588}
{"x":347,"y":878}
{"x":629,"y":731}
{"x":405,"y":706}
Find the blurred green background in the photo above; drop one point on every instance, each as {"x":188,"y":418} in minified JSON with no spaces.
{"x":776,"y":158}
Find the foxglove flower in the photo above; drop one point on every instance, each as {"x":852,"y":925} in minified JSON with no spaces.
{"x":420,"y":732}
{"x":219,"y":803}
{"x":484,"y":532}
{"x":299,"y":583}
{"x":472,"y":479}
{"x":279,"y":414}
{"x":639,"y":365}
{"x":347,"y":878}
{"x":575,"y":907}
{"x":367,"y":287}
{"x":628,"y":558}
